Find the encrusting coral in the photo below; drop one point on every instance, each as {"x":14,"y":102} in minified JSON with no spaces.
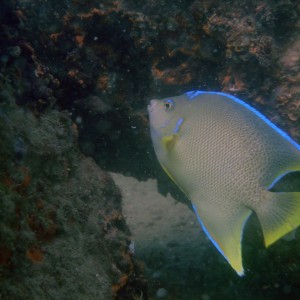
{"x":75,"y":80}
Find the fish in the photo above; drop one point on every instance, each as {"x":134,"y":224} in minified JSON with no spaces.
{"x":226,"y":157}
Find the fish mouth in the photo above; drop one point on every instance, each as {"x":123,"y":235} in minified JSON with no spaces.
{"x":151,"y":106}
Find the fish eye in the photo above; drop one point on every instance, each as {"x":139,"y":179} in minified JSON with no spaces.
{"x":169,"y":104}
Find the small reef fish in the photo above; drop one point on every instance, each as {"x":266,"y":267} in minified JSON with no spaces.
{"x":226,"y":157}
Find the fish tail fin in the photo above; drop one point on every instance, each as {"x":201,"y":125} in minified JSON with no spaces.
{"x":279,"y":213}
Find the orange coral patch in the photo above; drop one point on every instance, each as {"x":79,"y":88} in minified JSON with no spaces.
{"x":122,"y":282}
{"x":35,"y":255}
{"x":26,"y":178}
{"x":79,"y":39}
{"x":55,"y":36}
{"x":5,"y":256}
{"x":7,"y":181}
{"x":102,"y":82}
{"x":179,"y":75}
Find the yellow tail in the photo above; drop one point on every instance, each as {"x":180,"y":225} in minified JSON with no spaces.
{"x":279,"y":213}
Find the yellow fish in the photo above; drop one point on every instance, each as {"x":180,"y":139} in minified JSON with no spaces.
{"x":226,"y":157}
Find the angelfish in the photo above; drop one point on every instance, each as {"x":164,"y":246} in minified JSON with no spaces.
{"x":226,"y":157}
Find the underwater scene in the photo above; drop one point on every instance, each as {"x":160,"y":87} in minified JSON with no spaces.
{"x":150,"y":149}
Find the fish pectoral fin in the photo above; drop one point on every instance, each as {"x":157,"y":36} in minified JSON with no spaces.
{"x":278,"y":214}
{"x":225,"y":230}
{"x":169,"y":141}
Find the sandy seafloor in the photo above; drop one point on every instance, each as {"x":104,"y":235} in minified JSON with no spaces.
{"x":169,"y":239}
{"x":180,"y":261}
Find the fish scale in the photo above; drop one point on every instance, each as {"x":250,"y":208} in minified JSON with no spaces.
{"x":224,"y":155}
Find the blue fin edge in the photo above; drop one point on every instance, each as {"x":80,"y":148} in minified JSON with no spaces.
{"x":192,"y":94}
{"x":211,"y":238}
{"x":278,"y":178}
{"x":207,"y":233}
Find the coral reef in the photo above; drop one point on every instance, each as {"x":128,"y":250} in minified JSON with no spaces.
{"x":62,"y":230}
{"x":97,"y":52}
{"x":63,"y":235}
{"x":93,"y":54}
{"x":75,"y":80}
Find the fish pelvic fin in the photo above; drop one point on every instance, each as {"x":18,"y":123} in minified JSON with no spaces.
{"x":278,"y":214}
{"x":169,"y":141}
{"x":225,"y":230}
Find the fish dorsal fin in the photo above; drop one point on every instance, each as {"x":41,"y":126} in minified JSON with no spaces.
{"x":169,"y":141}
{"x":225,"y":230}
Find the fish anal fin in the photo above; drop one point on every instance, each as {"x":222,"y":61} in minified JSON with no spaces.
{"x":225,"y":230}
{"x":278,"y":214}
{"x":169,"y":141}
